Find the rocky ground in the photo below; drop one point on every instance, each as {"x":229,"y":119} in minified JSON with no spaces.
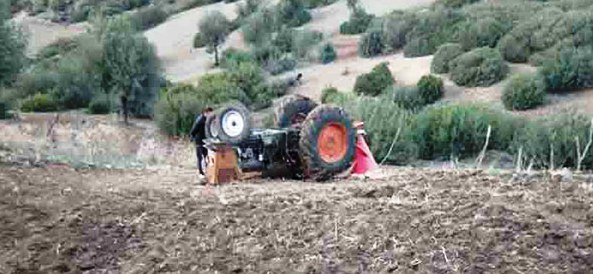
{"x":56,"y":219}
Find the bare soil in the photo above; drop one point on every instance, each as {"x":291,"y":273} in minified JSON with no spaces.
{"x":59,"y":220}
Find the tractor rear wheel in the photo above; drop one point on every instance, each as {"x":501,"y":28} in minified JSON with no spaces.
{"x":290,"y":108}
{"x":232,"y":124}
{"x":327,"y":142}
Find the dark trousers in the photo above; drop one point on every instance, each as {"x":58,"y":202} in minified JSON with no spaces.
{"x":201,"y":153}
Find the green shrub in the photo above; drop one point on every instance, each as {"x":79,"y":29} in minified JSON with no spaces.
{"x":328,"y":54}
{"x":284,"y":39}
{"x":5,"y":107}
{"x":59,"y":47}
{"x":311,"y":4}
{"x":376,"y":113}
{"x":259,"y":27}
{"x":443,"y":57}
{"x":482,"y":33}
{"x":327,"y":94}
{"x":100,"y":104}
{"x":460,"y":130}
{"x":571,"y":69}
{"x":407,"y":98}
{"x":558,"y":133}
{"x":479,"y":67}
{"x":396,"y":27}
{"x":177,"y":108}
{"x":524,"y":92}
{"x":456,"y":3}
{"x":283,"y":64}
{"x":371,"y":44}
{"x":232,"y":57}
{"x":77,"y":82}
{"x":12,"y":52}
{"x":218,"y":88}
{"x":149,"y":17}
{"x":432,"y":29}
{"x":358,"y":22}
{"x":430,"y":88}
{"x":246,"y":77}
{"x":374,"y":82}
{"x":305,"y":41}
{"x":39,"y":103}
{"x":293,"y":13}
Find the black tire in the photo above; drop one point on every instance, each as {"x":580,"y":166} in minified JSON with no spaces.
{"x":211,"y":130}
{"x":314,"y":165}
{"x":289,"y":107}
{"x":233,"y":124}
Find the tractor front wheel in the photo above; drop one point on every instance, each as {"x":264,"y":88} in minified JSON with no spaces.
{"x":327,"y":142}
{"x":290,"y":109}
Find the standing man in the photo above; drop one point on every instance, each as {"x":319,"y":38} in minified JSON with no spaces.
{"x":198,"y":134}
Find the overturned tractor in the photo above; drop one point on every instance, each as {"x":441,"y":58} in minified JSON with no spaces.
{"x":308,"y":141}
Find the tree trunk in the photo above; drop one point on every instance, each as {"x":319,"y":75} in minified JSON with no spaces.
{"x":124,"y":104}
{"x":216,"y":56}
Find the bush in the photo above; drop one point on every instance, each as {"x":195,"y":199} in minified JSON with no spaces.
{"x":456,"y":3}
{"x":395,"y":28}
{"x":432,"y":29}
{"x":482,"y":33}
{"x":281,"y":65}
{"x":558,"y":133}
{"x":149,"y":17}
{"x":460,"y":130}
{"x":479,"y":67}
{"x":246,"y":77}
{"x":408,"y":98}
{"x":327,"y":94}
{"x":12,"y":52}
{"x":233,"y":57}
{"x":358,"y":22}
{"x":430,"y":89}
{"x":177,"y":108}
{"x":524,"y":92}
{"x":293,"y":13}
{"x":5,"y":107}
{"x":443,"y":57}
{"x":376,"y":113}
{"x":259,"y":27}
{"x":571,"y":69}
{"x":305,"y":41}
{"x":284,"y":39}
{"x":100,"y":104}
{"x":59,"y":47}
{"x":39,"y":103}
{"x":328,"y":54}
{"x":371,"y":44}
{"x":374,"y":82}
{"x":218,"y":88}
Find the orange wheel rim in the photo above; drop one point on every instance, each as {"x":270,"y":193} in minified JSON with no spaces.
{"x":332,"y":142}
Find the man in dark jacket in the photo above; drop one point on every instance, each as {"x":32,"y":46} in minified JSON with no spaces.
{"x":198,"y":134}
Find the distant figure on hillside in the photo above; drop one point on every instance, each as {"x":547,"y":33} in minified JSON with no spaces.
{"x":198,"y":135}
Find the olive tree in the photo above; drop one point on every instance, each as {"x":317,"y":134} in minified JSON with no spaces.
{"x":12,"y":48}
{"x":214,"y":29}
{"x":131,"y":67}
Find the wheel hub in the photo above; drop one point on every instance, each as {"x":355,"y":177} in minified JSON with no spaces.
{"x":332,"y":143}
{"x":233,"y":123}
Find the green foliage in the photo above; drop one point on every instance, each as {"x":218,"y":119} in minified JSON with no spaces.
{"x":432,"y":29}
{"x":555,"y":135}
{"x":374,"y":82}
{"x":430,"y":88}
{"x":479,"y":67}
{"x":149,"y":17}
{"x":524,"y":92}
{"x":460,"y":130}
{"x":59,"y":47}
{"x":39,"y":103}
{"x":199,"y":41}
{"x":101,"y":104}
{"x":177,"y":108}
{"x":284,"y":39}
{"x":280,"y":65}
{"x":246,"y":77}
{"x":328,"y":54}
{"x":259,"y":27}
{"x":376,"y":114}
{"x":371,"y":44}
{"x":358,"y":22}
{"x":218,"y":88}
{"x":571,"y":69}
{"x":456,"y":3}
{"x":396,"y":27}
{"x":407,"y":98}
{"x":77,"y":83}
{"x":232,"y":57}
{"x":12,"y":52}
{"x":482,"y":33}
{"x":293,"y":13}
{"x":443,"y":57}
{"x":305,"y":41}
{"x":328,"y":93}
{"x":131,"y":66}
{"x":214,"y":29}
{"x":311,"y":4}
